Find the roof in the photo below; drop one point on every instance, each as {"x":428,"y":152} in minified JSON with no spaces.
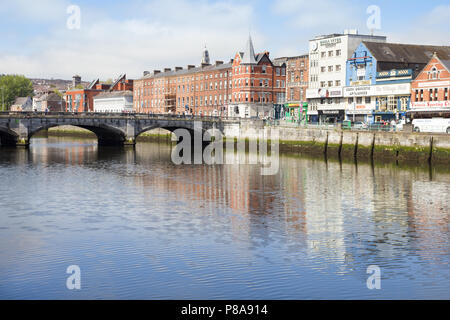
{"x":408,"y":53}
{"x":113,"y":94}
{"x":446,"y":64}
{"x":249,"y":53}
{"x":189,"y":71}
{"x":120,"y":78}
{"x":20,"y":101}
{"x":279,"y":61}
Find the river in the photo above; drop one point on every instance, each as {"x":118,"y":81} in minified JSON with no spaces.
{"x":140,"y":227}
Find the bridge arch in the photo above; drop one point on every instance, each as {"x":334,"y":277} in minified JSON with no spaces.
{"x":106,"y":135}
{"x":8,"y":137}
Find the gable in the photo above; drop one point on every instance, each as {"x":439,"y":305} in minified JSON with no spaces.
{"x":264,"y":59}
{"x":433,"y":64}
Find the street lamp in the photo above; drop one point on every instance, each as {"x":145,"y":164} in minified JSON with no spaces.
{"x":3,"y":99}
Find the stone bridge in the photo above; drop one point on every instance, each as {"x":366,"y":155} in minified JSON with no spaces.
{"x":16,"y":129}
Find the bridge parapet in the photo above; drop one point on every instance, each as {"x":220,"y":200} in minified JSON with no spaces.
{"x":17,"y":128}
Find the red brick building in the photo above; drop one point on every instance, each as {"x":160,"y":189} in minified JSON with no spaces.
{"x":203,"y":90}
{"x":245,"y":83}
{"x":258,"y":83}
{"x":430,"y":89}
{"x":82,"y":100}
{"x":297,"y":76}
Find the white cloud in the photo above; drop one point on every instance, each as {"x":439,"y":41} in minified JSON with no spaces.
{"x":429,"y":28}
{"x":163,"y":34}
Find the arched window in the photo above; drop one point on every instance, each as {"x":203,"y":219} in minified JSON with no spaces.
{"x":434,"y":73}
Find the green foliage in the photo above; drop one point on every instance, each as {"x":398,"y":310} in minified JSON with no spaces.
{"x":58,"y":93}
{"x":12,"y":87}
{"x":80,"y":86}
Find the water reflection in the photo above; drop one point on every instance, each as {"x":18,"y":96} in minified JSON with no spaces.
{"x":223,"y":231}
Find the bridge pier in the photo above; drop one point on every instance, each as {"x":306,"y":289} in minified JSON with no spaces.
{"x":23,"y":143}
{"x":129,"y":142}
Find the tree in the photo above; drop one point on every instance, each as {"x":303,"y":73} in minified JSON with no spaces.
{"x":12,"y":87}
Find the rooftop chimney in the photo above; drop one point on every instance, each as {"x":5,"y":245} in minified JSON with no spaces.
{"x":190,"y":66}
{"x":146,"y":73}
{"x":167,"y":69}
{"x":218,"y":63}
{"x":156,"y":71}
{"x":178,"y":68}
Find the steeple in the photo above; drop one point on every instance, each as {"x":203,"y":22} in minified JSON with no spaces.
{"x":205,"y":57}
{"x":249,"y":53}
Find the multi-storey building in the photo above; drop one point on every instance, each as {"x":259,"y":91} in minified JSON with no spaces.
{"x":430,"y":91}
{"x":82,"y":100}
{"x":297,"y":77}
{"x":328,"y":56}
{"x":379,"y":77}
{"x":258,"y":83}
{"x":202,"y":90}
{"x":249,"y":85}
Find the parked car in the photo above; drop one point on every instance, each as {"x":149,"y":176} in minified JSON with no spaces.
{"x":359,"y":125}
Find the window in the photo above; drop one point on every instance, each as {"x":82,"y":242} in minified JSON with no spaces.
{"x":322,"y":84}
{"x":338,"y":53}
{"x":359,"y":100}
{"x":434,"y":73}
{"x":323,"y":54}
{"x":367,"y":100}
{"x":350,"y":100}
{"x":322,"y":69}
{"x":330,"y":68}
{"x":403,"y":103}
{"x":338,"y":68}
{"x":338,"y":83}
{"x":330,"y":83}
{"x":330,"y":53}
{"x":446,"y":94}
{"x":278,"y":71}
{"x":392,"y":103}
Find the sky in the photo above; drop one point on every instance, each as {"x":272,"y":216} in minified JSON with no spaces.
{"x":40,"y":38}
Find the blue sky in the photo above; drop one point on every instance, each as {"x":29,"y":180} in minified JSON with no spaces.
{"x":136,"y":35}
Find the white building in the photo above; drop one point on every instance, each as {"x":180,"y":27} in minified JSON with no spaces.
{"x":328,"y":57}
{"x":116,"y":101}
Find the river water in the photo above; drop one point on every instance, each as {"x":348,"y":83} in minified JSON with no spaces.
{"x":140,"y":227}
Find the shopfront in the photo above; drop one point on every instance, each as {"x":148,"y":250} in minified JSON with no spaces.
{"x":331,"y":116}
{"x":377,"y":103}
{"x":292,"y":112}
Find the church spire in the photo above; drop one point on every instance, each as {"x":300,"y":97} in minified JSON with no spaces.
{"x":205,"y":57}
{"x":249,"y":53}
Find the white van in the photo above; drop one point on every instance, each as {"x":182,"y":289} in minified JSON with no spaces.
{"x":431,"y":125}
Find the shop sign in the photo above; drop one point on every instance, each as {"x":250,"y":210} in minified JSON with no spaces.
{"x":330,"y":42}
{"x":431,"y":104}
{"x":324,"y":93}
{"x":378,"y":90}
{"x":434,"y":84}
